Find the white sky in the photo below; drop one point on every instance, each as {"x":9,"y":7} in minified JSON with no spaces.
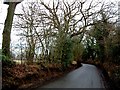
{"x":3,"y":13}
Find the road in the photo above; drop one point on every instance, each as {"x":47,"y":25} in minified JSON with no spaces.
{"x":86,"y":76}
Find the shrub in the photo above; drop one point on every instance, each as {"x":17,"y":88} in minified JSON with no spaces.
{"x":67,"y":54}
{"x":115,"y":76}
{"x":115,"y":54}
{"x":6,"y":61}
{"x":78,"y":48}
{"x":63,"y":50}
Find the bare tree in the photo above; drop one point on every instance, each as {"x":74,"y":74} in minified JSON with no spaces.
{"x":27,"y":23}
{"x":71,"y":18}
{"x":74,"y":18}
{"x":34,"y":29}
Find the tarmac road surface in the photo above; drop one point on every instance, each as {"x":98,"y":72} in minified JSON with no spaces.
{"x":86,"y":76}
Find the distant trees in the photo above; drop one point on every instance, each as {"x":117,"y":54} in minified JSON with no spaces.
{"x":99,"y":38}
{"x":27,"y":22}
{"x":90,"y":47}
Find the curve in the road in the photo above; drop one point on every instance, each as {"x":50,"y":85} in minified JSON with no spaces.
{"x":86,"y":76}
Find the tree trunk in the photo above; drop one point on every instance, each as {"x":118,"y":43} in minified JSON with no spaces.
{"x":7,"y":30}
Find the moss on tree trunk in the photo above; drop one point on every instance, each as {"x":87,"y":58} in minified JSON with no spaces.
{"x":7,"y":30}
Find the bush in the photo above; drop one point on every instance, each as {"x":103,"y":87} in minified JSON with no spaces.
{"x":78,"y":48}
{"x":63,"y":50}
{"x":6,"y":61}
{"x":116,"y":77}
{"x":67,"y":54}
{"x":115,"y":54}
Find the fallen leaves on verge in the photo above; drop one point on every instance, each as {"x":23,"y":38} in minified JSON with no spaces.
{"x":26,"y":75}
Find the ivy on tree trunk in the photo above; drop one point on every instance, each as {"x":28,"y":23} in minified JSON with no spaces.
{"x":7,"y":29}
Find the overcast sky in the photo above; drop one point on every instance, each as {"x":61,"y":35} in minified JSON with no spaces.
{"x":3,"y":13}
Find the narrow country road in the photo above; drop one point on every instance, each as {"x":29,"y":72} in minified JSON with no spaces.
{"x":86,"y":76}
